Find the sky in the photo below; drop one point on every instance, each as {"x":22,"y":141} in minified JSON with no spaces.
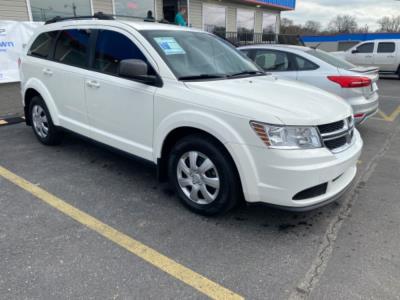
{"x":366,"y":11}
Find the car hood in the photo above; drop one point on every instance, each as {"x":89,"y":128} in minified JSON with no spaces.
{"x":271,"y":100}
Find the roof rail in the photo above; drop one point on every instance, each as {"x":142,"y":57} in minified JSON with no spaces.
{"x":99,"y":15}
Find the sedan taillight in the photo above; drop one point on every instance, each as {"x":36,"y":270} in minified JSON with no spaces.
{"x":349,"y":82}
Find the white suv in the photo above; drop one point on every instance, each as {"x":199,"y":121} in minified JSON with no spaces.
{"x":215,"y":124}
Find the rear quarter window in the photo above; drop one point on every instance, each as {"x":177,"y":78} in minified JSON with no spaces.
{"x":304,"y":64}
{"x":42,"y":45}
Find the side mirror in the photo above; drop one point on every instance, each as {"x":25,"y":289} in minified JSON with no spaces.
{"x":137,"y":69}
{"x":133,"y":68}
{"x":354,"y":51}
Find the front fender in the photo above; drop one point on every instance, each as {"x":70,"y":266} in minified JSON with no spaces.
{"x":39,"y":87}
{"x":218,"y":128}
{"x":195,"y":119}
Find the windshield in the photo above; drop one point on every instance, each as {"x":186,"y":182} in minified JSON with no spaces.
{"x":330,"y":59}
{"x":199,"y":55}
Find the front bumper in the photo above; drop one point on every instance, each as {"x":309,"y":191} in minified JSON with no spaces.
{"x":275,"y":177}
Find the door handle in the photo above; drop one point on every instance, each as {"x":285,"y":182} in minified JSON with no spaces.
{"x":93,"y":84}
{"x":47,"y":72}
{"x":368,"y":56}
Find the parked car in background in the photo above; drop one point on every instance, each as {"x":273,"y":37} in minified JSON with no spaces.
{"x":212,"y":121}
{"x":357,"y":85}
{"x":384,"y":54}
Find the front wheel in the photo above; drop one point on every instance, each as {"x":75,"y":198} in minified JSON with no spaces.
{"x":203,"y":175}
{"x":42,"y":123}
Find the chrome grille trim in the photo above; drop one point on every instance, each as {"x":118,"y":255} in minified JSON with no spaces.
{"x":346,"y":131}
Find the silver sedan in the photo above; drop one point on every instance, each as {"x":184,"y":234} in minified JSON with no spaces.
{"x":357,"y":85}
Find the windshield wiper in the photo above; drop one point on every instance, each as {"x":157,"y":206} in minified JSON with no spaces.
{"x":202,"y":76}
{"x":247,"y":73}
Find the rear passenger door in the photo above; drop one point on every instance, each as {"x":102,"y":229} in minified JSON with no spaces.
{"x":385,"y":57}
{"x":120,"y":110}
{"x":38,"y":63}
{"x":67,"y":73}
{"x":279,"y":63}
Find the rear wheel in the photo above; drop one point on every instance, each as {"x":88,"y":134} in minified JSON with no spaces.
{"x":204,"y":175}
{"x":42,"y":124}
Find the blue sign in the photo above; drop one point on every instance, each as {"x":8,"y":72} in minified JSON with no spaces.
{"x":284,"y":4}
{"x":356,"y":37}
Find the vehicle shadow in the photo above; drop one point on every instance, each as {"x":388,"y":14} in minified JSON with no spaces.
{"x":143,"y":174}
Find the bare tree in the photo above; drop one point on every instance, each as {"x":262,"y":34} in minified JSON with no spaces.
{"x":312,"y":27}
{"x":288,"y":27}
{"x":389,"y":24}
{"x":363,"y":29}
{"x":343,"y":24}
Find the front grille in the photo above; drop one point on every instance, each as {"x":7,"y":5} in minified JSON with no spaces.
{"x":332,"y":127}
{"x":311,"y":192}
{"x":336,"y":143}
{"x":337,"y":136}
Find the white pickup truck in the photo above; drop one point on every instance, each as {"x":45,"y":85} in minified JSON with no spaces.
{"x":384,"y":54}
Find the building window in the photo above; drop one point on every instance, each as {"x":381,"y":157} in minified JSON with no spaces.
{"x":214,"y":19}
{"x":43,"y":10}
{"x":245,"y":24}
{"x":134,"y":8}
{"x":269,"y":23}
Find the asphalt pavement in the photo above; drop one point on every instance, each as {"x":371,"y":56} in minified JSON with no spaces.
{"x":347,"y":250}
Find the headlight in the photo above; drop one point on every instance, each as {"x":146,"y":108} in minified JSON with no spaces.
{"x":287,"y":137}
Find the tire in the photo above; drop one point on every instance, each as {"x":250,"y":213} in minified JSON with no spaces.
{"x":42,"y":124}
{"x":204,"y":175}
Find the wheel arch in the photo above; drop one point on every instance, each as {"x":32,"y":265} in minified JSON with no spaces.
{"x":187,"y":123}
{"x":36,"y":88}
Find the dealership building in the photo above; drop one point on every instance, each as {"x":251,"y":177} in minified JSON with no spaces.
{"x":256,"y":16}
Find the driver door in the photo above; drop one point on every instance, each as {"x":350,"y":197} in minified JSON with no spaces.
{"x":362,"y":55}
{"x":120,"y":110}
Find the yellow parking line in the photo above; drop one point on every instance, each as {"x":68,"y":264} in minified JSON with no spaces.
{"x":392,"y":116}
{"x":180,"y":272}
{"x":3,"y":122}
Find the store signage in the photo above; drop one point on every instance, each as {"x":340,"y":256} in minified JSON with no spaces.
{"x":13,"y":35}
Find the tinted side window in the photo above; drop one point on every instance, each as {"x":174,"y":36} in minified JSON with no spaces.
{"x":72,"y":47}
{"x":304,"y":64}
{"x":273,"y":60}
{"x":366,"y":48}
{"x":246,"y":52}
{"x":111,"y":48}
{"x":41,"y":47}
{"x":386,"y":47}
